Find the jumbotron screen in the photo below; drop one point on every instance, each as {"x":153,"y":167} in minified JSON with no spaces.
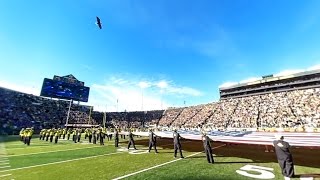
{"x":63,"y":90}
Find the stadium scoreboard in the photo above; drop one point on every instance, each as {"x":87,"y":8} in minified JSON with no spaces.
{"x":65,"y":87}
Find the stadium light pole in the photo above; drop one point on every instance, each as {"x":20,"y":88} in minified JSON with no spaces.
{"x":117,"y":105}
{"x":68,"y":112}
{"x":141,"y":99}
{"x":161,"y":99}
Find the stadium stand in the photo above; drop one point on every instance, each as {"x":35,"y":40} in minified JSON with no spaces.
{"x":19,"y":110}
{"x":292,"y":104}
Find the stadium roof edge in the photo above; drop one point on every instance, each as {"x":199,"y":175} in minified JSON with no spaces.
{"x":274,"y":78}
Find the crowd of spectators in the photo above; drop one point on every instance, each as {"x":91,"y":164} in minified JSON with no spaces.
{"x":292,"y":109}
{"x":134,"y":119}
{"x":295,"y":109}
{"x":199,"y":119}
{"x":170,"y":116}
{"x":19,"y":110}
{"x":276,"y":82}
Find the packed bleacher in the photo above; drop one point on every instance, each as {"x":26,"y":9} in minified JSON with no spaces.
{"x":19,"y":110}
{"x":270,"y":83}
{"x":294,"y":109}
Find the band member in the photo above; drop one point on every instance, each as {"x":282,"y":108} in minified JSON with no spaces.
{"x":101,"y":136}
{"x":131,"y":141}
{"x":177,"y":144}
{"x":152,"y":141}
{"x":284,"y":156}
{"x":116,"y":138}
{"x":207,"y":148}
{"x":22,"y":135}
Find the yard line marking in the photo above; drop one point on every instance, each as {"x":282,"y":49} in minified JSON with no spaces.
{"x":59,"y":162}
{"x":57,"y":145}
{"x":57,"y":151}
{"x":5,"y":175}
{"x":46,"y":146}
{"x":159,"y":165}
{"x":54,"y":151}
{"x":4,"y":167}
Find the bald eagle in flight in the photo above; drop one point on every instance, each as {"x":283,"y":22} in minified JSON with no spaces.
{"x":99,"y":23}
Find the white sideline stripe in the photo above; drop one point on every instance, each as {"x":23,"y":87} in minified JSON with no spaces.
{"x":59,"y":162}
{"x":46,"y":146}
{"x":54,"y":151}
{"x":57,"y":145}
{"x":4,"y":167}
{"x":159,"y":165}
{"x":5,"y":175}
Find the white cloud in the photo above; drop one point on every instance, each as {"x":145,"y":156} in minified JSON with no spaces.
{"x":227,"y":84}
{"x":281,"y":73}
{"x":251,"y":79}
{"x":28,"y":88}
{"x":143,"y":84}
{"x":315,"y":67}
{"x":118,"y":81}
{"x":183,"y":91}
{"x":115,"y":97}
{"x":119,"y":94}
{"x":162,"y":84}
{"x":288,"y":72}
{"x":293,"y":71}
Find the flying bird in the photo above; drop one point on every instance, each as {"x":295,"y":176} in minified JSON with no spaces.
{"x":99,"y":22}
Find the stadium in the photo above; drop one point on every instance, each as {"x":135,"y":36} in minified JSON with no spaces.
{"x":242,"y":125}
{"x":168,"y":90}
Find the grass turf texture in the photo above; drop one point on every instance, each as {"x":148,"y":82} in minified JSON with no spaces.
{"x":67,"y":160}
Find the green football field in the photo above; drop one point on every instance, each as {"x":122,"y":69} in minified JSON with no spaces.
{"x":67,"y":160}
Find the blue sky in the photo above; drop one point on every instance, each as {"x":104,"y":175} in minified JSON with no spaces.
{"x":155,"y":54}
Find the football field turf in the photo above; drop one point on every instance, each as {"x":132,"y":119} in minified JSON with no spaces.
{"x":69,"y":160}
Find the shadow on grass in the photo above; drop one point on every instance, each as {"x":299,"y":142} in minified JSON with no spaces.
{"x":202,"y":157}
{"x":302,"y":156}
{"x":238,"y":162}
{"x":307,"y":176}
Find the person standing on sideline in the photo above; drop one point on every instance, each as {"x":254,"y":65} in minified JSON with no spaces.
{"x":101,"y":136}
{"x":207,"y":148}
{"x":28,"y":135}
{"x":56,"y":136}
{"x":177,"y":144}
{"x":116,"y":138}
{"x":64,"y":132}
{"x":41,"y":133}
{"x":284,"y":156}
{"x":152,"y":141}
{"x":131,"y":141}
{"x":94,"y":136}
{"x":90,"y":134}
{"x":52,"y":132}
{"x":22,"y":135}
